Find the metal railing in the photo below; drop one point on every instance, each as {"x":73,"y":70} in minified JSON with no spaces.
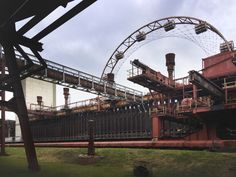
{"x":117,"y":91}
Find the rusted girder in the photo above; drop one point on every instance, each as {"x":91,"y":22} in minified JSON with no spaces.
{"x":150,"y":78}
{"x":204,"y":83}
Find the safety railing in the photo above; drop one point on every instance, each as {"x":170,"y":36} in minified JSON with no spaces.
{"x":181,"y":82}
{"x":106,"y":88}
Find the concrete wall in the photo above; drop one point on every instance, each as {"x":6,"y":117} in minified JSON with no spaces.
{"x":33,"y":88}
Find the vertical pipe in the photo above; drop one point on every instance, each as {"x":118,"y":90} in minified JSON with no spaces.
{"x":226,"y":91}
{"x":91,"y":148}
{"x":195,"y":95}
{"x":170,"y":63}
{"x":98,"y":103}
{"x":40,"y":101}
{"x":66,"y":96}
{"x":156,"y":126}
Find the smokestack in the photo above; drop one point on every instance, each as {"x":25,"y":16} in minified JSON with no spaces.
{"x":110,"y":77}
{"x":39,"y":100}
{"x":66,"y":96}
{"x":170,"y":63}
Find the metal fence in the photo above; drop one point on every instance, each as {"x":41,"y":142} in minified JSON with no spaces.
{"x":130,"y":122}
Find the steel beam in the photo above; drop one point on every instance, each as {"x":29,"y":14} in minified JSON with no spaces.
{"x":3,"y":152}
{"x":60,"y":21}
{"x":204,"y":83}
{"x":21,"y":109}
{"x":10,"y":38}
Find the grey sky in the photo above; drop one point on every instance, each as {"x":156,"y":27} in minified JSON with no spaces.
{"x":87,"y":41}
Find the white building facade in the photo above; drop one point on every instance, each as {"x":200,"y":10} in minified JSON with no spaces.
{"x":33,"y":88}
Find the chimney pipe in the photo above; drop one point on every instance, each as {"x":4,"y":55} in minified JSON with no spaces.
{"x":170,"y":63}
{"x":66,"y":96}
{"x":39,"y":100}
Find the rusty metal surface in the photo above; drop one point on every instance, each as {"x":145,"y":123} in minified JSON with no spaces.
{"x":181,"y":109}
{"x":219,"y":65}
{"x":204,"y":83}
{"x":149,"y":78}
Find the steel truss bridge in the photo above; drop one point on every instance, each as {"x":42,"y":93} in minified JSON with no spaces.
{"x":69,"y":77}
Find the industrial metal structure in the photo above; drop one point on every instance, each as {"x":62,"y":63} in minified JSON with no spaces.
{"x":184,"y":27}
{"x":199,"y":108}
{"x":188,"y":108}
{"x":10,"y":38}
{"x":79,"y":80}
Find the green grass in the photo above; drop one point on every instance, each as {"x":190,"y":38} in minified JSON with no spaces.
{"x":60,"y":162}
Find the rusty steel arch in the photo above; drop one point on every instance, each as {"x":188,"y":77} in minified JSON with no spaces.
{"x":168,"y":24}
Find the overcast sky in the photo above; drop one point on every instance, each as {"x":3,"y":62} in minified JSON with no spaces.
{"x":87,"y":41}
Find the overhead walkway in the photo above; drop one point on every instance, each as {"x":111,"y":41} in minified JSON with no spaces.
{"x":72,"y":78}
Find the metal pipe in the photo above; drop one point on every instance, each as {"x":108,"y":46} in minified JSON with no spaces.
{"x":60,"y":21}
{"x":91,"y":148}
{"x":170,"y":63}
{"x":66,"y":96}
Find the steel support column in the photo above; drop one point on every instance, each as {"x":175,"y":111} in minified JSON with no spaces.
{"x":195,"y":95}
{"x":156,"y":125}
{"x":20,"y":106}
{"x":91,"y":148}
{"x":3,"y":152}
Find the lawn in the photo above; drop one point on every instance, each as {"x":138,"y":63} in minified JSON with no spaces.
{"x":61,"y":162}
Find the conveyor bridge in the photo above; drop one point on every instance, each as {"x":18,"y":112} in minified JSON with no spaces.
{"x":69,"y":77}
